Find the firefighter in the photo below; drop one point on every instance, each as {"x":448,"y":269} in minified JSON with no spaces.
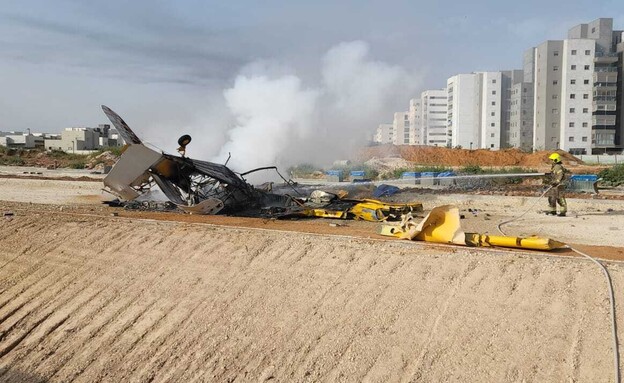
{"x":556,"y":195}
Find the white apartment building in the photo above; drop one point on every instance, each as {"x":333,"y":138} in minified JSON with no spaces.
{"x":491,"y":110}
{"x":576,"y":90}
{"x":521,"y":120}
{"x":384,"y":134}
{"x":547,"y":95}
{"x":434,"y":118}
{"x":509,"y":79}
{"x":401,"y":128}
{"x":415,"y":120}
{"x":479,"y":109}
{"x":575,"y":126}
{"x":464,"y":110}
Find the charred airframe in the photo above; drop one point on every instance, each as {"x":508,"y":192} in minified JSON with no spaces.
{"x":202,"y":187}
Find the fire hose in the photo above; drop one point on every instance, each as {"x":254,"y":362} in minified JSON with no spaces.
{"x":616,"y":354}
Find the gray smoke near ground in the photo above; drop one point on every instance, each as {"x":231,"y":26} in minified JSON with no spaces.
{"x":278,"y":119}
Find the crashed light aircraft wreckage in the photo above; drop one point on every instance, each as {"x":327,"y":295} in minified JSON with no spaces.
{"x":442,"y":225}
{"x":202,"y":187}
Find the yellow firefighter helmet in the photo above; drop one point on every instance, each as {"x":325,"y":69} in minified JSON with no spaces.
{"x":555,"y":157}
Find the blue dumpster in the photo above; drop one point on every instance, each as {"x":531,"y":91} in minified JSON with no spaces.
{"x":357,"y":175}
{"x":443,"y":181}
{"x":428,"y":178}
{"x":415,"y":176}
{"x":333,"y":175}
{"x":583,"y":183}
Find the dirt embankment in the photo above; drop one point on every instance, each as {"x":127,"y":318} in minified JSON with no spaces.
{"x":428,"y":155}
{"x":111,"y":299}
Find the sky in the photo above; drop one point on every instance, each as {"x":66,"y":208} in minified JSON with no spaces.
{"x":238,"y":75}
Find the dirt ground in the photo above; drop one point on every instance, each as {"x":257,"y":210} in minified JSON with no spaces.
{"x":94,"y":293}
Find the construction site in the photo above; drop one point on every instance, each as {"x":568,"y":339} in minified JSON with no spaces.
{"x":225,"y":281}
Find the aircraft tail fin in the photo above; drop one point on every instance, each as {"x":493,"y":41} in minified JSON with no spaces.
{"x":124,"y":130}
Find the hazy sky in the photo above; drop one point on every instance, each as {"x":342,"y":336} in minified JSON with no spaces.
{"x":166,"y":65}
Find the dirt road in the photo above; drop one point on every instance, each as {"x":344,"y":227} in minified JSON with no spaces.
{"x":86,"y":296}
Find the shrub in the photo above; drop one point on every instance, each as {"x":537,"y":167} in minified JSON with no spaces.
{"x":471,"y":169}
{"x":303,"y":170}
{"x":13,"y":161}
{"x":77,"y":164}
{"x":613,"y":176}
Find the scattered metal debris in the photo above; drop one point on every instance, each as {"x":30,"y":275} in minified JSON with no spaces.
{"x":201,"y":187}
{"x":8,"y":215}
{"x":442,"y":225}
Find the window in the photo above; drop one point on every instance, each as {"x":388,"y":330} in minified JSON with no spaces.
{"x":584,"y":139}
{"x":556,"y":53}
{"x":493,"y":103}
{"x":584,"y":125}
{"x":585,"y":96}
{"x":555,"y":82}
{"x":572,"y":81}
{"x":492,"y":114}
{"x":587,"y":52}
{"x":491,"y":145}
{"x":494,"y":81}
{"x":585,"y":110}
{"x":554,"y":96}
{"x":493,"y":92}
{"x":585,"y":82}
{"x":555,"y":68}
{"x":571,"y":139}
{"x":594,"y":30}
{"x":554,"y":125}
{"x":555,"y":111}
{"x":586,"y":67}
{"x":572,"y":96}
{"x":573,"y":67}
{"x":492,"y":135}
{"x":571,"y":110}
{"x":571,"y":125}
{"x":492,"y":124}
{"x":573,"y":52}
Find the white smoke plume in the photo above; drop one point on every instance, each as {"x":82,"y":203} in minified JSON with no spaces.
{"x":280,"y":122}
{"x":271,"y":114}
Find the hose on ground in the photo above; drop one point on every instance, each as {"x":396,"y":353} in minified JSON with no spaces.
{"x":521,"y":215}
{"x":616,"y":353}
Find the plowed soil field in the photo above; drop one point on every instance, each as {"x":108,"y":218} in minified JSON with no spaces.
{"x":91,"y":293}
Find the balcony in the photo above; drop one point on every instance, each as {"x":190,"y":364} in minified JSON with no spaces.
{"x":605,"y":58}
{"x":603,"y":138}
{"x":604,"y":98}
{"x":605,"y":91}
{"x":606,"y":120}
{"x":605,"y":69}
{"x":602,"y":89}
{"x":604,"y":105}
{"x":605,"y":76}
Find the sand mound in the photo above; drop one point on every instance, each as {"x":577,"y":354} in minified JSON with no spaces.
{"x":101,"y":298}
{"x":428,"y":155}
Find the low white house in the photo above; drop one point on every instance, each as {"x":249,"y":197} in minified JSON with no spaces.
{"x":76,"y":140}
{"x":21,"y":140}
